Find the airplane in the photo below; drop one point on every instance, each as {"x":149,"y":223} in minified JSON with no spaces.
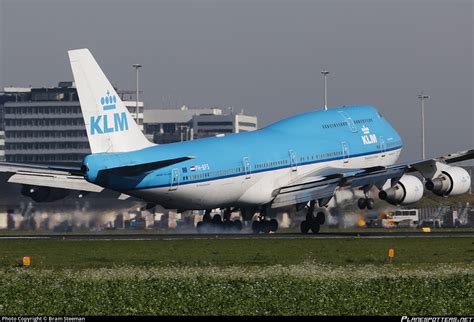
{"x":301,"y":160}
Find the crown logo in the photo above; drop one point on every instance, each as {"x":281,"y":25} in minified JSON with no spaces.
{"x":108,"y":101}
{"x":365,"y":130}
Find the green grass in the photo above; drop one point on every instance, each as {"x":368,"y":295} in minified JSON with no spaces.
{"x":59,"y":254}
{"x":348,"y":276}
{"x":303,"y":289}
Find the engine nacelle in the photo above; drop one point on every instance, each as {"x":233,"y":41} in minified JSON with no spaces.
{"x":409,"y":189}
{"x":44,"y":194}
{"x":452,"y":181}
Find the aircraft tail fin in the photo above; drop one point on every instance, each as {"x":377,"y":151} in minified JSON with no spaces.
{"x":109,"y":125}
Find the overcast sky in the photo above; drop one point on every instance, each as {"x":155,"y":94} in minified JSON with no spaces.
{"x":263,"y":56}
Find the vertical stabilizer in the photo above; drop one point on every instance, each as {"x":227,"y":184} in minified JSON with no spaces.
{"x":109,"y":125}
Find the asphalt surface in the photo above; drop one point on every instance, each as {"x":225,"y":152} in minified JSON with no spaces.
{"x":166,"y":236}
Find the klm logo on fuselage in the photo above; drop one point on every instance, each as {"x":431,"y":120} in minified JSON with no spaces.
{"x":109,"y":122}
{"x":368,"y":138}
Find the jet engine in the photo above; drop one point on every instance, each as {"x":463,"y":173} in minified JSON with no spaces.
{"x":452,"y":181}
{"x":408,"y":189}
{"x":44,"y":194}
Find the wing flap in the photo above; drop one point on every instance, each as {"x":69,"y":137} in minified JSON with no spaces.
{"x":305,"y":192}
{"x":368,"y":178}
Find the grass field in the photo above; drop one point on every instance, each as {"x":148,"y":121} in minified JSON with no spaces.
{"x":72,"y":254}
{"x":428,"y":276}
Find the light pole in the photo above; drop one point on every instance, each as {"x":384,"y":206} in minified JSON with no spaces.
{"x":136,"y":66}
{"x":422,"y":97}
{"x":325,"y":73}
{"x":181,"y":127}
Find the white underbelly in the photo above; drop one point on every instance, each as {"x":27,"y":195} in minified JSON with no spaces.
{"x":256,"y":189}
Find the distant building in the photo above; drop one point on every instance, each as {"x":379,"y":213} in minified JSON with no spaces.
{"x":211,"y":125}
{"x":2,"y":145}
{"x":45,"y":125}
{"x":174,"y":125}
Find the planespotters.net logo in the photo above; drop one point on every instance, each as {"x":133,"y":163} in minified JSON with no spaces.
{"x":437,"y":319}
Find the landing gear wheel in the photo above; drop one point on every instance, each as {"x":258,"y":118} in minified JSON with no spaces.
{"x":228,"y":225}
{"x":202,"y":227}
{"x":315,"y":227}
{"x":256,"y":227}
{"x":273,"y":225}
{"x":305,"y":226}
{"x":320,"y":218}
{"x":265,"y":227}
{"x":237,"y":225}
{"x":217,"y":219}
{"x":206,"y":217}
{"x":199,"y":227}
{"x":370,"y":203}
{"x":361,"y":203}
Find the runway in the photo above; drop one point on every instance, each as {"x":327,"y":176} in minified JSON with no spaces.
{"x":187,"y":236}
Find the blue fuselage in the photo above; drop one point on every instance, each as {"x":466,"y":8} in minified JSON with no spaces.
{"x":309,"y":138}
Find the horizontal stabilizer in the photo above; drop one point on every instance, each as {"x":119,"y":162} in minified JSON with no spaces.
{"x":134,"y":170}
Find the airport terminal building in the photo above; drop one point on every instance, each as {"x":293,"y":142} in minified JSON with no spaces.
{"x":174,"y":125}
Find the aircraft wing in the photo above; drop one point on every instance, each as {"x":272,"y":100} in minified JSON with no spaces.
{"x":315,"y":187}
{"x":70,"y":178}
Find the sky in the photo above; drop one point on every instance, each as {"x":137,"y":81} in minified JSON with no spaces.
{"x":264,"y":57}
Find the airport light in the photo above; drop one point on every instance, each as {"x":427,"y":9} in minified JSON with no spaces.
{"x":136,"y":66}
{"x":422,"y":98}
{"x":325,"y":73}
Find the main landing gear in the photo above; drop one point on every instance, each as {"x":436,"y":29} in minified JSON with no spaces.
{"x":216,"y":224}
{"x":263,"y":225}
{"x":368,"y":203}
{"x":312,"y":222}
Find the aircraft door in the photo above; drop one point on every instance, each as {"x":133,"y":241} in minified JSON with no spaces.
{"x":383,"y":146}
{"x":174,"y":179}
{"x":349,"y":121}
{"x":247,"y":168}
{"x":293,"y":161}
{"x":345,"y":152}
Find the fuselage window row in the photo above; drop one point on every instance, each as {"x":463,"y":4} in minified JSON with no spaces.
{"x":259,"y":166}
